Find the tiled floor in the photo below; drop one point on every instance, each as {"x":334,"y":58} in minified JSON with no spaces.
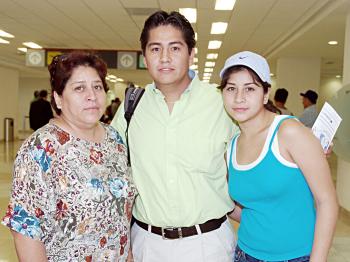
{"x":340,"y":251}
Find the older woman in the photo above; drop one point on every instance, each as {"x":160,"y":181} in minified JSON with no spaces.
{"x":72,"y":192}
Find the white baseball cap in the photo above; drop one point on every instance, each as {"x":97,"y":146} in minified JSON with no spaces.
{"x":252,"y":60}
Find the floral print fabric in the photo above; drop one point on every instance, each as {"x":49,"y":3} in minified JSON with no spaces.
{"x":73,"y":195}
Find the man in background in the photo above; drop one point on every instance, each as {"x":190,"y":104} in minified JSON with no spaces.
{"x":40,"y":111}
{"x":280,"y":98}
{"x":308,"y":117}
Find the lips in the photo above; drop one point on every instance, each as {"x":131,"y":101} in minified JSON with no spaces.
{"x":165,"y":69}
{"x":240,"y":109}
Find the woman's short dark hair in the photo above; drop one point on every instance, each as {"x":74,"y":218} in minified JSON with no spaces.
{"x":62,"y":66}
{"x":239,"y":68}
{"x":175,"y":19}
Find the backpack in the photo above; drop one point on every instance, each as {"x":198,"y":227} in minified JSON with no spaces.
{"x":132,"y":98}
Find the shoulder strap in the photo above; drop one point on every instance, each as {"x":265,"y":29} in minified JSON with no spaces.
{"x":277,"y":127}
{"x":132,"y":98}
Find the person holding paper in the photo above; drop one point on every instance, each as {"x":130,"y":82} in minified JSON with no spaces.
{"x":286,"y":201}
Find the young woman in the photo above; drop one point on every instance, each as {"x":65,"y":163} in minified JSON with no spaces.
{"x":278,"y":173}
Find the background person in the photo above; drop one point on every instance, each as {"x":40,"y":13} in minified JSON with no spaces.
{"x":72,"y":193}
{"x":280,"y":99}
{"x":308,"y":117}
{"x":177,"y":137}
{"x":40,"y":111}
{"x":275,"y":183}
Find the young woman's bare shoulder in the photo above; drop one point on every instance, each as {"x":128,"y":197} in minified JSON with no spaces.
{"x":291,"y":129}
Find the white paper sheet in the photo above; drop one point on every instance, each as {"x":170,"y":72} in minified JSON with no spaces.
{"x":326,"y":125}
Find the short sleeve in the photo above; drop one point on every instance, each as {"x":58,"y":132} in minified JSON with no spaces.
{"x":29,"y":202}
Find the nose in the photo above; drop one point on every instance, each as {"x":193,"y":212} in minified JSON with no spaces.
{"x":240,"y":96}
{"x":165,"y":56}
{"x":91,"y":95}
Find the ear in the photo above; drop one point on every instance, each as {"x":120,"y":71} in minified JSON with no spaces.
{"x":190,"y":61}
{"x":266,"y":96}
{"x":58,"y":100}
{"x":145,"y":60}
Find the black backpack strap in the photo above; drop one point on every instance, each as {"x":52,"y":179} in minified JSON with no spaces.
{"x":132,"y":98}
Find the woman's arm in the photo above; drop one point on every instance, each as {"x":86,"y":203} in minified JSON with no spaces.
{"x":28,"y":249}
{"x":306,"y":151}
{"x":236,"y":213}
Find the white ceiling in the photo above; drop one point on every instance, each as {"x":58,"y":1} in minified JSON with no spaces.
{"x":274,"y":28}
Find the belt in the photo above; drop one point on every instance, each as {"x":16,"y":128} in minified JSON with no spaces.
{"x":180,"y":232}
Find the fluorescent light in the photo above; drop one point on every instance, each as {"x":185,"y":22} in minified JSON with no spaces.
{"x":333,"y":42}
{"x":120,"y":79}
{"x":206,"y":77}
{"x":224,"y":4}
{"x":22,"y":49}
{"x":218,"y":28}
{"x":205,"y":80}
{"x":208,"y":70}
{"x":271,"y":74}
{"x":3,"y":41}
{"x":209,"y":64}
{"x":338,"y":76}
{"x":112,"y":76}
{"x":195,"y":59}
{"x":193,"y":67}
{"x":5,"y":34}
{"x":189,"y":13}
{"x":32,"y":45}
{"x":195,"y":36}
{"x":196,"y":50}
{"x":212,"y":56}
{"x":112,"y":80}
{"x":214,"y":44}
{"x":206,"y":74}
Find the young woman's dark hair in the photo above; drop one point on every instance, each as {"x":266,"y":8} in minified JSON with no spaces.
{"x":175,"y":19}
{"x":62,"y":66}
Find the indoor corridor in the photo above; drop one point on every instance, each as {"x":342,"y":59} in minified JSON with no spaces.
{"x":340,"y":251}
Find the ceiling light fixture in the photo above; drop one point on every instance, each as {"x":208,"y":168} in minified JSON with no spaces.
{"x":214,"y":44}
{"x":218,"y":28}
{"x":338,"y":76}
{"x":333,"y":42}
{"x":224,"y":4}
{"x":271,"y":74}
{"x":189,"y":13}
{"x":120,"y":79}
{"x":207,"y":74}
{"x":195,"y":59}
{"x":5,"y":34}
{"x":212,"y":56}
{"x":208,"y":70}
{"x":22,"y":49}
{"x":209,"y":64}
{"x":3,"y":41}
{"x":194,"y":67}
{"x":32,"y":45}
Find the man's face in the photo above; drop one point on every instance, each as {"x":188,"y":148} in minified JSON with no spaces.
{"x":306,"y":102}
{"x":167,"y":57}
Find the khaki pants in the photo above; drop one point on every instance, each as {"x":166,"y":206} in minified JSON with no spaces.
{"x":215,"y":246}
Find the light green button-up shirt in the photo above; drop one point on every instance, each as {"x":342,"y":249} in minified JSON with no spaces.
{"x":178,"y":159}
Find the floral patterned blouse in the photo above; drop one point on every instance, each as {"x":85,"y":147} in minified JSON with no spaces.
{"x":73,"y":195}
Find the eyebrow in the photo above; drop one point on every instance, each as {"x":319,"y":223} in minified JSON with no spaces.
{"x":83,"y":81}
{"x":170,"y":43}
{"x":250,"y":83}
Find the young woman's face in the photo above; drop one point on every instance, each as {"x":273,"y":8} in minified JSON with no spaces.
{"x":243,"y":97}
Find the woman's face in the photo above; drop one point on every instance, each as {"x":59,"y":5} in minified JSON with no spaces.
{"x":83,"y":99}
{"x":243,"y":97}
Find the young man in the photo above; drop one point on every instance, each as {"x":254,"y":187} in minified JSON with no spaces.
{"x":177,"y":140}
{"x":280,"y":98}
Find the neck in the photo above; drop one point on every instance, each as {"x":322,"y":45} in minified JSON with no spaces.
{"x":172,"y":92}
{"x":94,"y":133}
{"x":258,"y":124}
{"x":280,"y":105}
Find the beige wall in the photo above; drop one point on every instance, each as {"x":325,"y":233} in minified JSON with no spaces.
{"x":9,"y":95}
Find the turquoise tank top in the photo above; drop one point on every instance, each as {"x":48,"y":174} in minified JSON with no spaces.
{"x":278,"y":216}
